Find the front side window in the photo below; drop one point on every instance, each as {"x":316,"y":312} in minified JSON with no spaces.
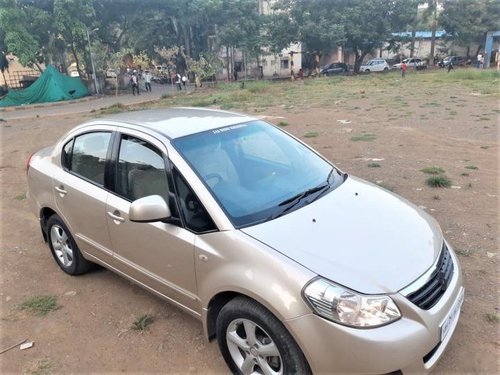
{"x":253,"y":168}
{"x":140,"y":170}
{"x":85,"y":155}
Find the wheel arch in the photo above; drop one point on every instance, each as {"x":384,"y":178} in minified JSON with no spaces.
{"x":214,"y":307}
{"x":45,"y":213}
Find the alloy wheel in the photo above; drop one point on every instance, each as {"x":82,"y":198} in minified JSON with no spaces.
{"x":252,"y":349}
{"x":61,"y":245}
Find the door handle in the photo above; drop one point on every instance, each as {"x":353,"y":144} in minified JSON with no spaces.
{"x":116,"y":216}
{"x":60,"y":190}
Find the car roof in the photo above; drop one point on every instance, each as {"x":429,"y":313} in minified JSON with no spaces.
{"x":177,"y":122}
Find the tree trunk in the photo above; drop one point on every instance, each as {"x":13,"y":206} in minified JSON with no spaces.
{"x":227,"y":64}
{"x":358,"y":59}
{"x":433,"y":35}
{"x":412,"y":45}
{"x":73,"y":51}
{"x":3,"y":74}
{"x":414,"y":33}
{"x":433,"y":40}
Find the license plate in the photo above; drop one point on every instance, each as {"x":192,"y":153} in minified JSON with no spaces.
{"x":452,"y":316}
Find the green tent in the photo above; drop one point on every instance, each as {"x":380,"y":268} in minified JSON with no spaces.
{"x":51,"y":86}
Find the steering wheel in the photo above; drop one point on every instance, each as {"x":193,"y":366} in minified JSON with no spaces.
{"x":213,"y":176}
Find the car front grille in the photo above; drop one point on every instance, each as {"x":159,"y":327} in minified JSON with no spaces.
{"x":429,"y":294}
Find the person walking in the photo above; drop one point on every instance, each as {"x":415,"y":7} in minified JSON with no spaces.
{"x":134,"y":80}
{"x":178,"y":80}
{"x":403,"y":69}
{"x":184,"y":80}
{"x":450,"y":66}
{"x":147,"y":80}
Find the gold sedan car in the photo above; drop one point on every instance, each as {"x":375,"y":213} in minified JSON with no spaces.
{"x":291,"y":264}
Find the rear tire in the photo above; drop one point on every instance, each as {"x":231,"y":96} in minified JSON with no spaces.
{"x":64,"y":248}
{"x":251,"y":339}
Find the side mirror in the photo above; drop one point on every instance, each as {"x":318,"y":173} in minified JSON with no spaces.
{"x":149,"y":209}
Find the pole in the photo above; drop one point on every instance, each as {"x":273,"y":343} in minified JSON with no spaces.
{"x":92,"y":63}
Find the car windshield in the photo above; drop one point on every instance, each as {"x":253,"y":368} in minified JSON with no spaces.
{"x":255,"y":171}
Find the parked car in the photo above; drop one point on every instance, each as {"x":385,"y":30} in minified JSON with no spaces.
{"x":334,"y":68}
{"x":456,"y":61}
{"x":412,"y":62}
{"x":374,"y":65}
{"x":111,"y":73}
{"x":290,"y":263}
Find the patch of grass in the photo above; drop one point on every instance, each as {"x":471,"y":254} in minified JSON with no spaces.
{"x":282,"y":123}
{"x":114,"y":108}
{"x":473,"y":167}
{"x":374,"y":165}
{"x":465,"y":174}
{"x":311,"y":135}
{"x":485,"y":147}
{"x":142,"y":322}
{"x":40,"y":305}
{"x":438,"y":181}
{"x":453,"y":113}
{"x":202,"y":103}
{"x":484,"y":119}
{"x":432,"y":170}
{"x":462,"y":252}
{"x":366,"y":137}
{"x":493,"y":317}
{"x":436,"y":197}
{"x":20,"y":197}
{"x":258,"y":87}
{"x":42,"y":367}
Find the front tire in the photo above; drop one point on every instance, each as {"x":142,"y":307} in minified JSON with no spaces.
{"x":64,"y":248}
{"x":252,"y":340}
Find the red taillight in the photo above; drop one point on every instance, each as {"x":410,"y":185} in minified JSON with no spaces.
{"x":28,"y":163}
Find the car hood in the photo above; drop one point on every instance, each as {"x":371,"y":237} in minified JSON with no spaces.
{"x":358,"y":235}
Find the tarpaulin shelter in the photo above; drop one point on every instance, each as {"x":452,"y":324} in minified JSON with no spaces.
{"x":51,"y":86}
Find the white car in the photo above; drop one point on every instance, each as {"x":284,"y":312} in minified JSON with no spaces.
{"x":111,"y":73}
{"x":374,"y":65}
{"x":411,"y":62}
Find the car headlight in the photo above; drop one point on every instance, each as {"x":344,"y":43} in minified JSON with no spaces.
{"x":347,"y":307}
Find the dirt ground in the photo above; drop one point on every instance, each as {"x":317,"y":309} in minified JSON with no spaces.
{"x":91,"y":331}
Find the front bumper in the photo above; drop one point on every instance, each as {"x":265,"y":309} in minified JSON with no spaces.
{"x":411,"y":345}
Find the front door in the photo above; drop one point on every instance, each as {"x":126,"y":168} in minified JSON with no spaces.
{"x":157,"y":255}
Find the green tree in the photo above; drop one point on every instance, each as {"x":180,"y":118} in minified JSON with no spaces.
{"x":73,"y":18}
{"x":467,"y":21}
{"x":4,"y":65}
{"x":206,"y":66}
{"x":25,"y":28}
{"x":359,"y":26}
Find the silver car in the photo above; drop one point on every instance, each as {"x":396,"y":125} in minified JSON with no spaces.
{"x":291,"y":264}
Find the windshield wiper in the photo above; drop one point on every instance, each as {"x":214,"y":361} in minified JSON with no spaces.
{"x":297,"y":198}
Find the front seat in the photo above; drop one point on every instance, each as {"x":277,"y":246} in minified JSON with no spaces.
{"x":144,"y":181}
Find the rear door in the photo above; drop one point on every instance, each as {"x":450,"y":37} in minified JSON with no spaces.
{"x":158,"y":255}
{"x":80,"y":193}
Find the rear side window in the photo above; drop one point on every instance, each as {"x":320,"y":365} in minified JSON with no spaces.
{"x":85,"y":155}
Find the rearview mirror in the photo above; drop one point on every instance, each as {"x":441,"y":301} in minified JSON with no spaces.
{"x":149,"y":209}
